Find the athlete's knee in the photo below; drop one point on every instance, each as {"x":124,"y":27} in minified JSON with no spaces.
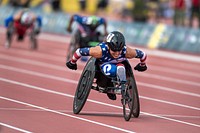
{"x":121,"y":72}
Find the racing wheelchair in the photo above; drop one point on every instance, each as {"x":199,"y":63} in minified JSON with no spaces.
{"x":21,"y":32}
{"x":89,"y":80}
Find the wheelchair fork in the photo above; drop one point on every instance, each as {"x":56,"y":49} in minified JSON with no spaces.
{"x":124,"y":94}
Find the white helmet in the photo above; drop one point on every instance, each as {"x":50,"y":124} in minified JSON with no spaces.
{"x":27,"y":18}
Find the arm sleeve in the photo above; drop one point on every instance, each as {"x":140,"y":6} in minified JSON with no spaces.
{"x":142,"y":55}
{"x":80,"y":52}
{"x":39,"y":20}
{"x":8,"y":20}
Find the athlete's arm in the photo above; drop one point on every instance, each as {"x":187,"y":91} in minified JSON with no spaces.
{"x":73,"y":18}
{"x":95,"y":52}
{"x":8,"y":21}
{"x":136,"y":53}
{"x":18,"y":15}
{"x":69,"y":27}
{"x":105,"y":28}
{"x":103,"y":22}
{"x":39,"y":21}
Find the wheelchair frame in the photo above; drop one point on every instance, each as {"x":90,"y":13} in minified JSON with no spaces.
{"x":129,"y":95}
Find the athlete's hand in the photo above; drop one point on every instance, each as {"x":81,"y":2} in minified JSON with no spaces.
{"x":71,"y":65}
{"x":69,"y":29}
{"x":140,"y":67}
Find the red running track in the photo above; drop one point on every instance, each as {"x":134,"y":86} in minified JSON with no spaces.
{"x":36,"y":93}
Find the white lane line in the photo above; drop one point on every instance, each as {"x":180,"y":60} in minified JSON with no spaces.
{"x":168,"y":89}
{"x":171,"y":103}
{"x":174,"y":120}
{"x":93,"y":101}
{"x":68,"y":115}
{"x":175,"y":71}
{"x":13,"y":127}
{"x":180,"y":116}
{"x":96,"y":113}
{"x":170,"y":79}
{"x":170,"y":55}
{"x":173,"y":55}
{"x":76,"y":82}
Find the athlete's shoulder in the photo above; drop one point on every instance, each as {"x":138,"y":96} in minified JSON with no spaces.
{"x":96,"y":51}
{"x":104,"y":48}
{"x":17,"y":15}
{"x":103,"y":45}
{"x":76,"y":16}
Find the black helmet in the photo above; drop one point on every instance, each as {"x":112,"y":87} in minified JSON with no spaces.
{"x":115,"y":41}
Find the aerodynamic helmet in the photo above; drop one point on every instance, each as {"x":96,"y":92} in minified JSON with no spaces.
{"x":115,"y":41}
{"x":27,"y":18}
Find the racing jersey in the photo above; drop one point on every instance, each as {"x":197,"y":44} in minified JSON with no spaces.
{"x":107,"y":58}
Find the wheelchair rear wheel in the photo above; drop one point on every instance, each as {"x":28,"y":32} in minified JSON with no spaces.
{"x":9,"y":35}
{"x":84,"y":86}
{"x":74,"y":44}
{"x":136,"y":102}
{"x":33,"y":41}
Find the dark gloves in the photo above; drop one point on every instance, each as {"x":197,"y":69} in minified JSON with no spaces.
{"x":140,"y":67}
{"x":69,"y":29}
{"x":71,"y":65}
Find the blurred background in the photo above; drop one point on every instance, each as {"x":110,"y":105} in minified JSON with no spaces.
{"x":155,"y":24}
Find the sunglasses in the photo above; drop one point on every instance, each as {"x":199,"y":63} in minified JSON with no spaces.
{"x":115,"y":49}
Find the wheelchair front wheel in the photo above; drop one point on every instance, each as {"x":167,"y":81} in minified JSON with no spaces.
{"x":127,"y":101}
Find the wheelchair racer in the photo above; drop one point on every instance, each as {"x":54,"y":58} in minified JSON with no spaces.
{"x":86,"y":31}
{"x":110,"y":54}
{"x":87,"y":25}
{"x":19,"y":23}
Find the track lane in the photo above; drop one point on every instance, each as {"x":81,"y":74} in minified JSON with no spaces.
{"x":121,"y":119}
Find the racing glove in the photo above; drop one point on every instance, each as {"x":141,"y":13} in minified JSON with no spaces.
{"x":69,"y":29}
{"x":72,"y":66}
{"x":140,"y":67}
